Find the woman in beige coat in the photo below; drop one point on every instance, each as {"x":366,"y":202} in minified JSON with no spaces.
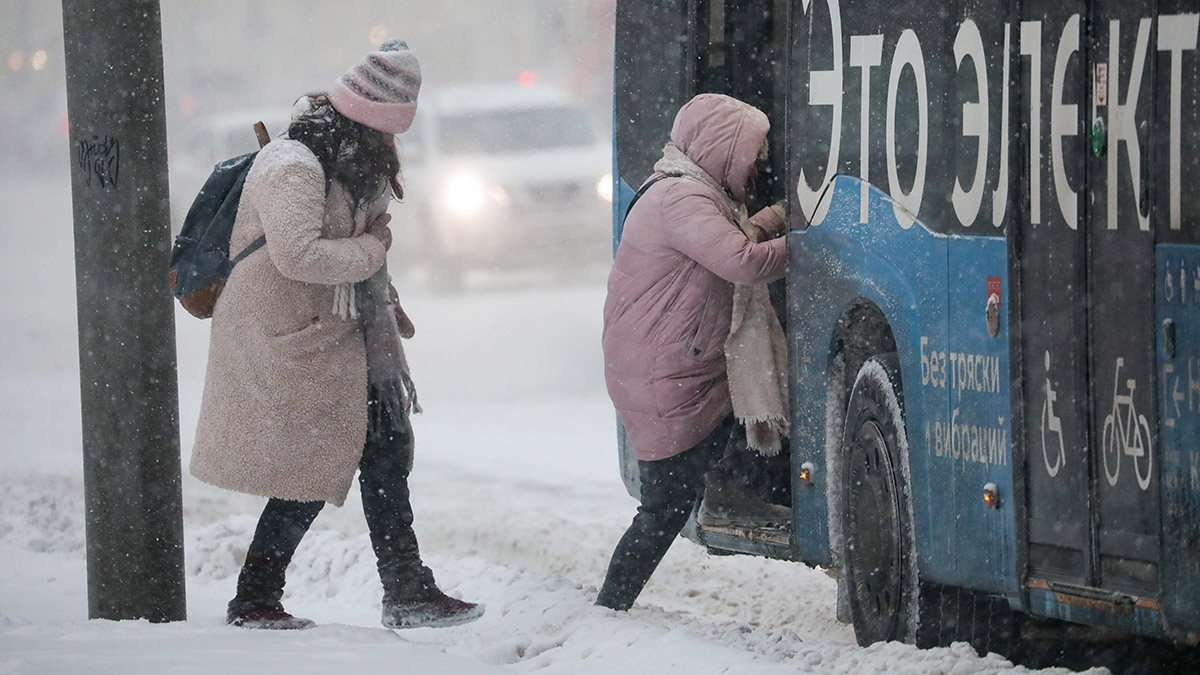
{"x":287,"y":393}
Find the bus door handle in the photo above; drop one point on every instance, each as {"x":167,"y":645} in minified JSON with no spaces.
{"x":1168,"y":338}
{"x":993,"y":315}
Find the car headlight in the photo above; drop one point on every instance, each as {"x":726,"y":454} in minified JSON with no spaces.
{"x":604,"y":187}
{"x":465,"y":195}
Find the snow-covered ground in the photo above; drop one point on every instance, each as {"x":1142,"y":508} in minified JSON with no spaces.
{"x":517,"y":496}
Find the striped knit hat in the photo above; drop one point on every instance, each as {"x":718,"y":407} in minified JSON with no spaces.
{"x":381,"y":91}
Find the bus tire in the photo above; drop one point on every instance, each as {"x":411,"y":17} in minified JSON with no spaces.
{"x":878,"y":555}
{"x":950,"y":614}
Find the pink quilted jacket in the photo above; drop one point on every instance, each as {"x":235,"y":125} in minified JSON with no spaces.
{"x":670,"y":292}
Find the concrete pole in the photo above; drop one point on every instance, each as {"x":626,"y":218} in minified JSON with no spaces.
{"x":128,"y":380}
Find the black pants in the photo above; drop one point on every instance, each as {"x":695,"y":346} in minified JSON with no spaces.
{"x":671,"y":488}
{"x":383,"y":478}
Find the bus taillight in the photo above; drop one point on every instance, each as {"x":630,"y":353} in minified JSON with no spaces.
{"x":991,"y":496}
{"x":806,"y":473}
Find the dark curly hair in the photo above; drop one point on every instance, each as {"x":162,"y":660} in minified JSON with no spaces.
{"x":354,"y":154}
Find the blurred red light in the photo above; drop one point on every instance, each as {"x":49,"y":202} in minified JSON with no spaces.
{"x":188,"y":105}
{"x":527,"y":78}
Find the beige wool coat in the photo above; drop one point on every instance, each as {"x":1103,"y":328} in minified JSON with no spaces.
{"x":284,"y":412}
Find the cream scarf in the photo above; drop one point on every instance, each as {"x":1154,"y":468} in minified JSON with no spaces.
{"x":756,"y":349}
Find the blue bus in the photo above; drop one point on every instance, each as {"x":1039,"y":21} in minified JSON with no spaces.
{"x":993,"y":296}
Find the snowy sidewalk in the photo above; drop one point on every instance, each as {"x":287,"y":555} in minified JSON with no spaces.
{"x":516,"y":491}
{"x":104,"y":647}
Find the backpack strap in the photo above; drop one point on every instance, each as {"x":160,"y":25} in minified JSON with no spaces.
{"x":254,"y":246}
{"x":642,"y":190}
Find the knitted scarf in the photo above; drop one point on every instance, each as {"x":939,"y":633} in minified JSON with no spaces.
{"x":370,"y":303}
{"x":756,"y":349}
{"x":387,"y":369}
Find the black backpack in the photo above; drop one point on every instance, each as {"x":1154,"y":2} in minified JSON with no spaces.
{"x":200,"y":261}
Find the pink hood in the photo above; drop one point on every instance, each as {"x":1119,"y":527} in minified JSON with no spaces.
{"x":722,"y":135}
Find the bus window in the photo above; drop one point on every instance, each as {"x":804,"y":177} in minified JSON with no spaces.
{"x":664,"y":58}
{"x":651,"y":83}
{"x":746,"y":60}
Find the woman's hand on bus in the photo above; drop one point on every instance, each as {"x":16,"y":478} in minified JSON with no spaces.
{"x":780,"y":209}
{"x":770,"y":222}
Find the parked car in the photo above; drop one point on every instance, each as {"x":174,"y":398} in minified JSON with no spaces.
{"x":498,"y":177}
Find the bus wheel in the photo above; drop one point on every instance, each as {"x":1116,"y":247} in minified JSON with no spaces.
{"x":878,"y":555}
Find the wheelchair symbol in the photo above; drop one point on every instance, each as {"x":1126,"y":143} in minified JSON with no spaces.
{"x":1052,"y":423}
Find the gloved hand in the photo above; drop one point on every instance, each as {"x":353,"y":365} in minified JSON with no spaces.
{"x":379,"y":229}
{"x":780,"y":209}
{"x":764,"y":228}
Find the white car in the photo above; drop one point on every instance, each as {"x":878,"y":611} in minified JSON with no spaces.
{"x":501,"y":176}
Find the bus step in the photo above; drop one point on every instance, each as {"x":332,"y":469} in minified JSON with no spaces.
{"x":773,"y":542}
{"x":1090,"y":596}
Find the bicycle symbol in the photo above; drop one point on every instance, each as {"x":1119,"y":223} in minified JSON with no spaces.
{"x":1052,"y":422}
{"x":1126,"y":433}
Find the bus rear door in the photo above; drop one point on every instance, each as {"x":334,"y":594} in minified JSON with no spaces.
{"x":1084,"y":264}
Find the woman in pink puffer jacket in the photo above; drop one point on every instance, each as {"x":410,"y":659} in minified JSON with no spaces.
{"x":668,"y":313}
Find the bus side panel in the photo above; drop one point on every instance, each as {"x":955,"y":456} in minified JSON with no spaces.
{"x":901,"y":271}
{"x":622,"y":196}
{"x":956,"y":389}
{"x":867,"y":46}
{"x":974,"y":443}
{"x":815,"y":293}
{"x":1178,"y":301}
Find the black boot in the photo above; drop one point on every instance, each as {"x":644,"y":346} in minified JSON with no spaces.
{"x":269,"y":618}
{"x":411,"y":599}
{"x":260,"y":582}
{"x":419,"y":603}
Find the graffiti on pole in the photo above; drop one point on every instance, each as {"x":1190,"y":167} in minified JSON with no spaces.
{"x":100,"y":159}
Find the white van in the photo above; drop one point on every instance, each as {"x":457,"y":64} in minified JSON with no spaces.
{"x":500,"y":176}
